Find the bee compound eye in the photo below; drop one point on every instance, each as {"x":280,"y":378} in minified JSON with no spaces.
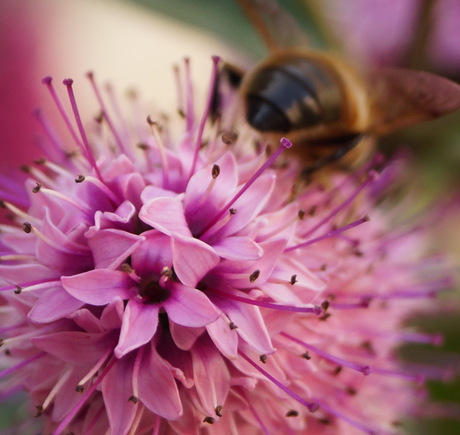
{"x":264,"y":116}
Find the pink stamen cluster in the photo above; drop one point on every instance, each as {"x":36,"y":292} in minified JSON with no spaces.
{"x":161,"y":280}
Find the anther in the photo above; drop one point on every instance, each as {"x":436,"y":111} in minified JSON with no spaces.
{"x":133,"y":399}
{"x":232,"y":210}
{"x":37,"y":188}
{"x":263,"y":358}
{"x":209,"y":420}
{"x":17,"y":290}
{"x":254,"y":275}
{"x":215,"y":171}
{"x":80,"y":178}
{"x":218,"y":410}
{"x":27,"y":227}
{"x":232,"y":325}
{"x":292,"y":413}
{"x":293,"y":279}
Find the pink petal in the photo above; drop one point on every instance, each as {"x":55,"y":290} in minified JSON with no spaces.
{"x":184,"y":337}
{"x":192,"y":259}
{"x":75,"y":347}
{"x":165,"y":215}
{"x":224,"y":338}
{"x":98,"y":287}
{"x":140,"y":323}
{"x":238,"y":248}
{"x":250,"y":323}
{"x":190,"y":307}
{"x":111,"y":247}
{"x":53,"y":304}
{"x":153,"y":254}
{"x":117,"y":388}
{"x":212,"y":378}
{"x":157,"y":387}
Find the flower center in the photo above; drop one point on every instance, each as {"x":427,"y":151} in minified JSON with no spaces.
{"x":152,"y":292}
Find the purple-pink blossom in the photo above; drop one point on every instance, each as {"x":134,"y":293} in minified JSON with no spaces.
{"x":162,"y":276}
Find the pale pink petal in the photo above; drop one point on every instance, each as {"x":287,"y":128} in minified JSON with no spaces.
{"x":117,"y":388}
{"x":98,"y":287}
{"x":189,"y":307}
{"x":111,"y":247}
{"x":224,"y":337}
{"x":85,"y":349}
{"x":153,"y":254}
{"x":53,"y":304}
{"x":208,"y":364}
{"x":166,"y":215}
{"x":184,"y":337}
{"x":192,"y":259}
{"x":156,"y":376}
{"x":140,"y":322}
{"x":238,"y":248}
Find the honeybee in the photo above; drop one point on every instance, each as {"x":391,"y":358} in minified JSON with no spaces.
{"x":327,"y":107}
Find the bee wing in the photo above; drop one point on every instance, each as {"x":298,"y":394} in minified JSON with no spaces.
{"x":277,"y":28}
{"x":405,"y":97}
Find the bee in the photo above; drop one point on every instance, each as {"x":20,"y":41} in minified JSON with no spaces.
{"x":328,"y":108}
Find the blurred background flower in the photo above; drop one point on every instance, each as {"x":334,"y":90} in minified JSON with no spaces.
{"x":136,"y":46}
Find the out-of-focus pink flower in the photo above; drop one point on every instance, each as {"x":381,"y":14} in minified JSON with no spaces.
{"x":119,"y":40}
{"x":381,"y":32}
{"x":162,"y":277}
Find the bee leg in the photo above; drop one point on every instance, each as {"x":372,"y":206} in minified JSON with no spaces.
{"x":343,"y":146}
{"x":229,"y":76}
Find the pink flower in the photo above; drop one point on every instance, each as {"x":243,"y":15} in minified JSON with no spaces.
{"x":165,"y":278}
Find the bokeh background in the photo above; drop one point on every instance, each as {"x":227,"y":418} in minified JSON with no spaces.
{"x":134,"y":44}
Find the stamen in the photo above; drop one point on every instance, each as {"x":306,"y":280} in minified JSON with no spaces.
{"x":78,"y":205}
{"x":93,"y":370}
{"x":56,"y":387}
{"x":180,"y":91}
{"x":372,"y":176}
{"x":20,"y":365}
{"x":199,"y":138}
{"x":310,"y":309}
{"x":311,"y":406}
{"x":108,"y":119}
{"x":69,"y":417}
{"x":55,"y":146}
{"x":190,"y":113}
{"x":86,"y":147}
{"x":284,"y":144}
{"x":161,"y":148}
{"x":365,"y":370}
{"x":330,"y":234}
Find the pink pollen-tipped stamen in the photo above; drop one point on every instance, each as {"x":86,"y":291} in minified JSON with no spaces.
{"x":107,"y":117}
{"x":311,"y":406}
{"x":86,"y":146}
{"x":199,"y":138}
{"x":372,"y":176}
{"x":69,"y":417}
{"x":365,"y":370}
{"x":22,"y":364}
{"x":312,"y":309}
{"x":189,"y":111}
{"x":330,"y":234}
{"x":284,"y":144}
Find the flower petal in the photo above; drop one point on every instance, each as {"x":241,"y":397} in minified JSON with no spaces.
{"x":98,"y":287}
{"x":188,"y":306}
{"x":117,"y":388}
{"x":192,"y":259}
{"x":166,"y":214}
{"x":53,"y":304}
{"x":140,"y":322}
{"x":157,"y":388}
{"x":238,"y":248}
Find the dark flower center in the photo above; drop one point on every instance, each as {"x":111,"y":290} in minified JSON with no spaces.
{"x":152,"y":292}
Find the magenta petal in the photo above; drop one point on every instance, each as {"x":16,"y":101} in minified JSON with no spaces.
{"x":98,"y":287}
{"x":224,"y":338}
{"x":190,"y":307}
{"x":117,"y":388}
{"x":192,"y":259}
{"x":157,"y":387}
{"x":140,"y":322}
{"x":111,"y":247}
{"x":53,"y":304}
{"x":238,"y":248}
{"x":85,"y":348}
{"x":166,"y":214}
